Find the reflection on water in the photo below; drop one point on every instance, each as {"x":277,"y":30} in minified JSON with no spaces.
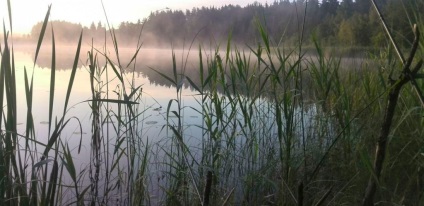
{"x":155,"y":97}
{"x":157,"y":93}
{"x":187,"y":61}
{"x":159,"y":59}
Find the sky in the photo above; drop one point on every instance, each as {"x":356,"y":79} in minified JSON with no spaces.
{"x":26,"y":13}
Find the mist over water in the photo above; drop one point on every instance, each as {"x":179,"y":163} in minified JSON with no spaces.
{"x":157,"y":94}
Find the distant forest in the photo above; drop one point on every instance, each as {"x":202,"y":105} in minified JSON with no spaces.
{"x":334,"y":23}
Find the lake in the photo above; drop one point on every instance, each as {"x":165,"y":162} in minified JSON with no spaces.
{"x":156,"y":94}
{"x":231,"y":134}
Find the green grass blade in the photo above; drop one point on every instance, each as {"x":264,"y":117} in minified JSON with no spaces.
{"x":52,"y":80}
{"x":3,"y":152}
{"x":133,"y":92}
{"x":201,"y":66}
{"x":33,"y":190}
{"x":115,"y":45}
{"x":9,"y":9}
{"x":134,"y":56}
{"x":4,"y":61}
{"x":43,"y":30}
{"x":115,"y":164}
{"x":193,"y":85}
{"x":72,"y":78}
{"x":51,"y":191}
{"x":118,"y":74}
{"x":53,"y":138}
{"x":41,"y":163}
{"x":30,"y":121}
{"x":174,"y":67}
{"x":264,"y":35}
{"x":227,"y":55}
{"x":164,"y":76}
{"x":69,"y":164}
{"x":70,"y":167}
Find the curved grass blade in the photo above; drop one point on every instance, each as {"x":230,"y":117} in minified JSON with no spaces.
{"x":56,"y":134}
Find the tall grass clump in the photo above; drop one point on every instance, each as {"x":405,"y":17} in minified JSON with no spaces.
{"x":281,"y":127}
{"x":119,"y":154}
{"x":30,"y":176}
{"x":35,"y":172}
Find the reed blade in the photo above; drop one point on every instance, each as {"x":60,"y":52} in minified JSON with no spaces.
{"x":43,"y":30}
{"x":9,"y":9}
{"x":52,"y":80}
{"x":73,"y":72}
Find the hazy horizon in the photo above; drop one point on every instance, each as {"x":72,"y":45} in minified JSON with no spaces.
{"x":26,"y":13}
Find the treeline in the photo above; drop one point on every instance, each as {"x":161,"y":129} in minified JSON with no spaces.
{"x":344,"y":23}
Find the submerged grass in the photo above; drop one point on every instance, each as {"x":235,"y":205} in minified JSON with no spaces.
{"x":277,"y":128}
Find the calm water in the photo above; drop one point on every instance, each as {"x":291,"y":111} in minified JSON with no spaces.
{"x":157,"y":92}
{"x":156,"y":95}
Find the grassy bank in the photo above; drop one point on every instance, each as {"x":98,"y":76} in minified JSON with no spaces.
{"x":278,"y":127}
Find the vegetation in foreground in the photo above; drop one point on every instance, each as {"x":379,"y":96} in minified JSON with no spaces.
{"x":278,"y":128}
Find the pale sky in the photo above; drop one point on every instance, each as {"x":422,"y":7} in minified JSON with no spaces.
{"x":26,"y":13}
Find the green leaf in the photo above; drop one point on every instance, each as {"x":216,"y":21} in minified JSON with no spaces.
{"x":115,"y":69}
{"x":43,"y":30}
{"x":52,"y":79}
{"x":73,"y":72}
{"x":164,"y":76}
{"x":193,"y":85}
{"x":42,"y":162}
{"x":9,"y":9}
{"x":69,"y":163}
